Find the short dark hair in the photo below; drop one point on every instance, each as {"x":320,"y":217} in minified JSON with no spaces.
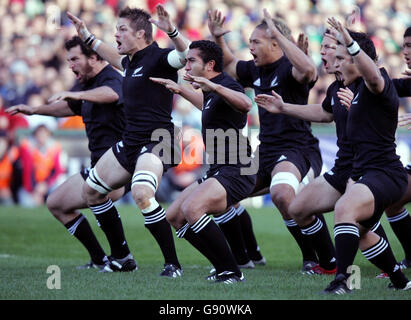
{"x":407,"y":32}
{"x":85,"y":49}
{"x":209,"y":50}
{"x":139,"y":20}
{"x":281,"y":26}
{"x":365,"y":43}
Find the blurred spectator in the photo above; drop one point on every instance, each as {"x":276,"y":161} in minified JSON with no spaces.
{"x":20,"y":88}
{"x":10,"y":124}
{"x":32,"y":33}
{"x":8,"y":169}
{"x":41,"y":159}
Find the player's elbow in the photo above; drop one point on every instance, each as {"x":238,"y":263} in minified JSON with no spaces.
{"x":113,"y":97}
{"x":247,"y":105}
{"x":309,"y":73}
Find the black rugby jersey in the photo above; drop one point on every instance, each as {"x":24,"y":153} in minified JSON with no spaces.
{"x":371,"y":125}
{"x":219,"y":116}
{"x":147,"y":105}
{"x":403,"y":86}
{"x":278,"y":131}
{"x":104,"y":122}
{"x":332,"y":105}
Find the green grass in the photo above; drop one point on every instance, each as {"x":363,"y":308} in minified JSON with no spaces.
{"x":32,"y":240}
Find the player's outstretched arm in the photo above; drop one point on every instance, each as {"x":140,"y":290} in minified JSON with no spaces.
{"x":310,"y":112}
{"x":236,"y":99}
{"x":196,"y":98}
{"x":304,"y":69}
{"x":405,"y":120}
{"x":103,"y":94}
{"x":367,"y":67}
{"x":56,"y":109}
{"x":105,"y":51}
{"x":216,"y":27}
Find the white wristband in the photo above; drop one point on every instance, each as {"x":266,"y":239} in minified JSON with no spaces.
{"x":96,"y":45}
{"x":85,"y":34}
{"x":354,"y":48}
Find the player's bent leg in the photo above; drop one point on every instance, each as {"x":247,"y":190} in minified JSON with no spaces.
{"x":357,"y":204}
{"x":211,"y":197}
{"x":315,"y":198}
{"x":378,"y":251}
{"x":145,"y":182}
{"x":174,"y":214}
{"x":66,"y":199}
{"x":400,"y":222}
{"x":284,"y":186}
{"x":63,"y":203}
{"x":105,"y":177}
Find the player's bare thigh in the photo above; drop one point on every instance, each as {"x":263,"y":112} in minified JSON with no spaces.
{"x":209,"y":197}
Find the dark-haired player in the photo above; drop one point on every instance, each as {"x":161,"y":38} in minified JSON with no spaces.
{"x":97,"y":97}
{"x":288,"y":148}
{"x":397,"y":214}
{"x":224,"y":114}
{"x":378,"y":178}
{"x":140,"y":156}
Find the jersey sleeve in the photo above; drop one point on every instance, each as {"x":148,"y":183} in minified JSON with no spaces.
{"x":115,"y":82}
{"x":75,"y":105}
{"x":326,"y":104}
{"x":403,"y":86}
{"x":244,"y":70}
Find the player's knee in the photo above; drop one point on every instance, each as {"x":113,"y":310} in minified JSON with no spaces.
{"x":189,"y":211}
{"x":95,"y":189}
{"x":282,"y":200}
{"x":173,"y":218}
{"x":143,"y":187}
{"x":53,"y":203}
{"x":343,"y":212}
{"x":296,"y":211}
{"x":141,"y":196}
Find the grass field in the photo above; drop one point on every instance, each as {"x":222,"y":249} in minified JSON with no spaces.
{"x":32,"y":240}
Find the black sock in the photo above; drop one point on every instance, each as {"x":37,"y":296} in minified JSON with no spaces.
{"x":209,"y":233}
{"x":378,"y":229}
{"x":253,"y":250}
{"x":80,"y":228}
{"x":317,"y":233}
{"x":110,"y":222}
{"x":382,"y":257}
{"x":229,"y":223}
{"x":187,"y":233}
{"x":305,"y":245}
{"x":156,"y":223}
{"x":401,"y":225}
{"x":347,"y":239}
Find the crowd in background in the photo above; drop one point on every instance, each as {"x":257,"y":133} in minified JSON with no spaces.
{"x":33,"y":64}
